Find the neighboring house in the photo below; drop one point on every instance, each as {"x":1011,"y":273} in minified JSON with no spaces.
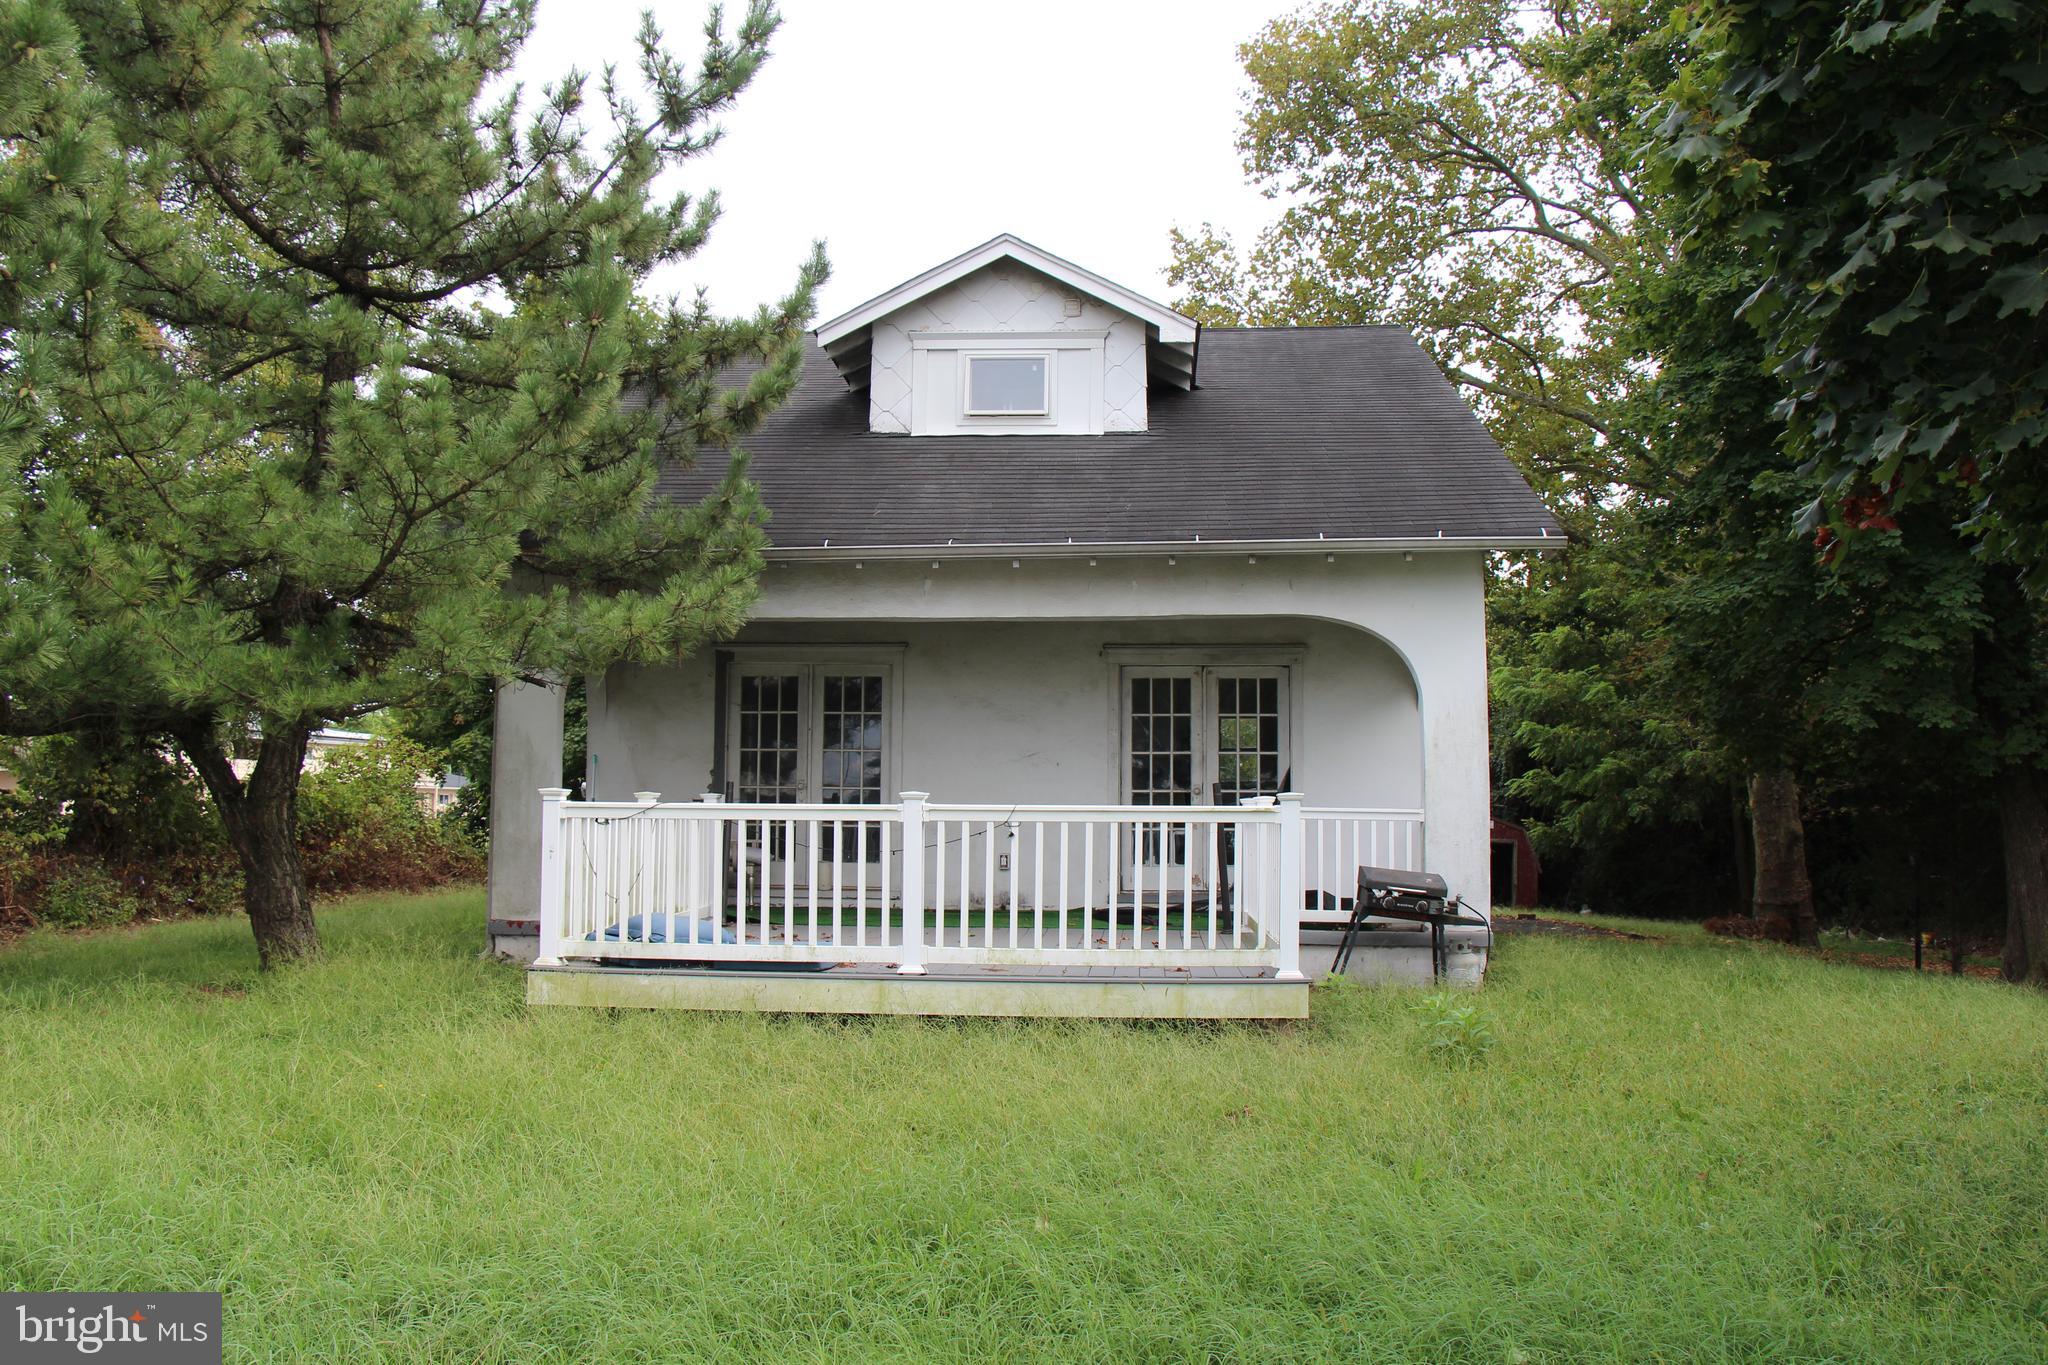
{"x":1146,"y":636}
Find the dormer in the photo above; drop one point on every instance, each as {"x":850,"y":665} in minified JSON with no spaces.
{"x":1009,"y":340}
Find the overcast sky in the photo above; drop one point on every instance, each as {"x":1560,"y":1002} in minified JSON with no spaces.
{"x":905,"y":131}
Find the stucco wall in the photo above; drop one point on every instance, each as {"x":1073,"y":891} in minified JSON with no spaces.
{"x":1007,"y":297}
{"x":1027,"y":712}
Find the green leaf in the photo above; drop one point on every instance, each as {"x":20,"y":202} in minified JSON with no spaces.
{"x":1698,"y":147}
{"x":2024,"y":172}
{"x":1932,"y":439}
{"x":2030,"y":77}
{"x":2024,"y":231}
{"x":1908,"y":308}
{"x":1760,"y":224}
{"x":1878,"y":190}
{"x":1863,"y":259}
{"x":2021,"y":288}
{"x":1952,"y":239}
{"x":1921,"y":22}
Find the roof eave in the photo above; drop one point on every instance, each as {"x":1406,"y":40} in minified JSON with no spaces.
{"x":1066,"y":549}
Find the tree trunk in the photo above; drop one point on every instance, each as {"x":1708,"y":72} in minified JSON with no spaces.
{"x":261,"y":816}
{"x":1745,"y":864}
{"x":1782,"y":885}
{"x":2023,"y":821}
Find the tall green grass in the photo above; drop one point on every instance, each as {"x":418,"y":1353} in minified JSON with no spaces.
{"x":1673,"y":1151}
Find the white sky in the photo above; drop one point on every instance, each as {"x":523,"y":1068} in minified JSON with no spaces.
{"x":905,"y":131}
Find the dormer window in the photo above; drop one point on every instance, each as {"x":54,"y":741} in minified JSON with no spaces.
{"x":1008,"y":340}
{"x":1009,"y":385}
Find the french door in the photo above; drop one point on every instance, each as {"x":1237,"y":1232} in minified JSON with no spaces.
{"x":1197,"y":735}
{"x":814,"y":733}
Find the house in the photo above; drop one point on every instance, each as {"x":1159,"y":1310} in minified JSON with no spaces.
{"x":1141,"y":637}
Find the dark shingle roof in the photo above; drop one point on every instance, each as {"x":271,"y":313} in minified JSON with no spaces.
{"x":1342,"y":433}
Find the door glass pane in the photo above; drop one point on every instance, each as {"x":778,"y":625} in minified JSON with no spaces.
{"x":1160,"y":729}
{"x":771,"y":733}
{"x":850,"y":756}
{"x":1247,"y":737}
{"x":770,"y":757}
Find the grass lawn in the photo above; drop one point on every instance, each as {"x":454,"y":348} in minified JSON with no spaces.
{"x":1678,"y":1150}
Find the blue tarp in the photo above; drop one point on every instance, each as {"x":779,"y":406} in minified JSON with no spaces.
{"x":658,"y":927}
{"x":687,"y":929}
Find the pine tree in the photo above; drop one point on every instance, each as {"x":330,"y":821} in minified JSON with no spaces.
{"x":329,"y":375}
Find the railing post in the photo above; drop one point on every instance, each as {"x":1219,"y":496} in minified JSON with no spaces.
{"x":548,"y":954}
{"x":644,"y":878}
{"x":1287,"y":917}
{"x":912,"y":883}
{"x":707,"y":860}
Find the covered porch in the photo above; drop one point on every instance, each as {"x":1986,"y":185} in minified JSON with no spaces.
{"x":1174,"y":798}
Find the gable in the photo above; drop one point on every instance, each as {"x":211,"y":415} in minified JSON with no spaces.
{"x":919,"y":354}
{"x":1009,"y":295}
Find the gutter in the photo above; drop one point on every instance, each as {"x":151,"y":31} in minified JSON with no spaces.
{"x":1069,"y":549}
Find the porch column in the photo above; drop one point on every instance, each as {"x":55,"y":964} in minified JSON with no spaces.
{"x":526,"y":755}
{"x":1449,"y":664}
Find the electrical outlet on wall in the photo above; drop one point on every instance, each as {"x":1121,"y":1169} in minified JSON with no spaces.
{"x":1002,"y":862}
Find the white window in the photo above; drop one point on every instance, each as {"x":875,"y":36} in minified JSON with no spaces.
{"x":1008,"y":385}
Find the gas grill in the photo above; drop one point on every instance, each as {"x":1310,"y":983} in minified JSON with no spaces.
{"x":1415,"y":897}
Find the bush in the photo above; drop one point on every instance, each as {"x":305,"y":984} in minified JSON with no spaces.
{"x":114,"y":796}
{"x":80,"y":894}
{"x":362,"y":826}
{"x":23,"y":857}
{"x":365,"y":788}
{"x":103,"y":834}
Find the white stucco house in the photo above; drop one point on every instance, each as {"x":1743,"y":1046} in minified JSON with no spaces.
{"x":1095,"y":652}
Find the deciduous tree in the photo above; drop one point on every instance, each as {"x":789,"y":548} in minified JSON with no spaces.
{"x":1887,"y":160}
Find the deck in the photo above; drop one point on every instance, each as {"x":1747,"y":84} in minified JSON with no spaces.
{"x":920,"y":908}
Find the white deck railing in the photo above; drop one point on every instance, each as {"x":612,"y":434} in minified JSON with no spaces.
{"x":1338,"y":840}
{"x":1023,"y":885}
{"x":914,"y":882}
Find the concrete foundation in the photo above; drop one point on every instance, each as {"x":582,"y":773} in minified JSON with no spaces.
{"x":989,"y":992}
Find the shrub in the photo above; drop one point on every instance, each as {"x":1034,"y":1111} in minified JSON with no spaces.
{"x":103,"y":834}
{"x":23,"y":858}
{"x":114,"y":796}
{"x":365,"y":788}
{"x":362,"y":826}
{"x":80,"y":894}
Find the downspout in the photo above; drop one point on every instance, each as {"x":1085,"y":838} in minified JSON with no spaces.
{"x":721,"y":684}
